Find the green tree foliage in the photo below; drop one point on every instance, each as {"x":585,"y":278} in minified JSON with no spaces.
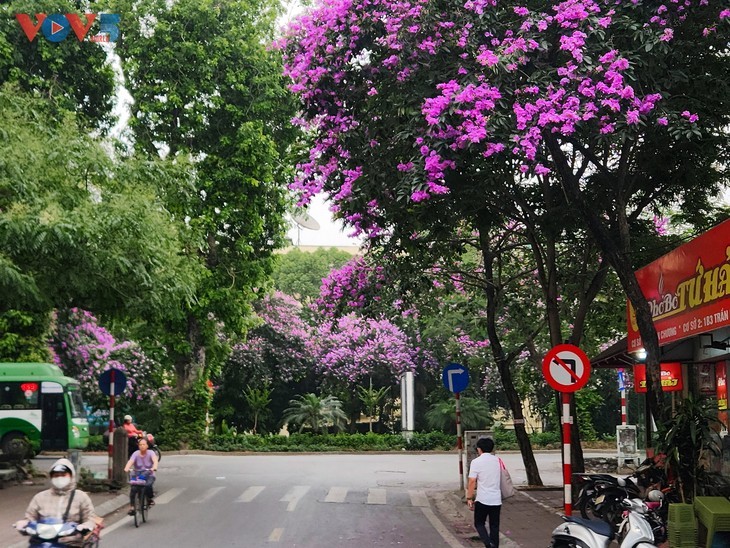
{"x":78,"y":228}
{"x":300,"y":274}
{"x":258,"y":400}
{"x":73,"y":75}
{"x":371,"y":399}
{"x":206,"y":88}
{"x":314,"y":412}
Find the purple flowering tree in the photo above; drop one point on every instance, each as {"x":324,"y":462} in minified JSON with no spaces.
{"x":426,"y":112}
{"x":278,"y":354}
{"x":83,"y":349}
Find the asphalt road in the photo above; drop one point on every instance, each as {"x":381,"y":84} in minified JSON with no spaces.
{"x":319,"y":500}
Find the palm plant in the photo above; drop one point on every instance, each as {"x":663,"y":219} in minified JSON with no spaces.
{"x":309,"y":410}
{"x":371,"y":399}
{"x":474,"y":415}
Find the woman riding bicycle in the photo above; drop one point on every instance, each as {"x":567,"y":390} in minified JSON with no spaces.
{"x":141,"y":460}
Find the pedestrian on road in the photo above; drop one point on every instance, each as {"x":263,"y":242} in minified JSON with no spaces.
{"x":484,"y":477}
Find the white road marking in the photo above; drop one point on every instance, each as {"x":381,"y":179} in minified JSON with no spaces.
{"x":275,"y":535}
{"x":418,"y":498}
{"x":250,"y":493}
{"x":377,"y":496}
{"x":450,"y":539}
{"x":209,"y":494}
{"x":167,"y":496}
{"x":336,"y":494}
{"x":126,"y":520}
{"x":294,"y":496}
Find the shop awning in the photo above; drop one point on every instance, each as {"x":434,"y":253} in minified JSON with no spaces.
{"x":614,"y":357}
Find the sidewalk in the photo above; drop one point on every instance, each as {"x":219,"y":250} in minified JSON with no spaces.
{"x":526,"y":521}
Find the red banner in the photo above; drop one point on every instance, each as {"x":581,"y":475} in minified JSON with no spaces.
{"x":688,"y":289}
{"x":671,"y":377}
{"x":721,"y":377}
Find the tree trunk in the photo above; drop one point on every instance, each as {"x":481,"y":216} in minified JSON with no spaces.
{"x":617,"y":257}
{"x":189,"y":367}
{"x":515,"y":403}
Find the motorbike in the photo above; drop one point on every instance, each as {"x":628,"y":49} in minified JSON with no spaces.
{"x":635,"y":530}
{"x":152,"y":445}
{"x":600,"y":495}
{"x":49,"y":532}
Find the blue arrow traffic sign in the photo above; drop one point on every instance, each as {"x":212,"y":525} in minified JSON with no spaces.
{"x":105,"y":382}
{"x":455,"y":377}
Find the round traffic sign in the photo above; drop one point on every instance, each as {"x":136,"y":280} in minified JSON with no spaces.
{"x":566,"y":368}
{"x":105,"y":381}
{"x":455,"y":377}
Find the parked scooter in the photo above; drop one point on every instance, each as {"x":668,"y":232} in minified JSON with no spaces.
{"x":635,"y":530}
{"x":133,"y":444}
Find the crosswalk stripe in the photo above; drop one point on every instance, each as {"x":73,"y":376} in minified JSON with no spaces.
{"x":418,"y":498}
{"x":294,"y":496}
{"x":167,"y":496}
{"x":250,"y":493}
{"x":209,"y":494}
{"x":376,"y":496}
{"x":336,"y":494}
{"x":275,"y":535}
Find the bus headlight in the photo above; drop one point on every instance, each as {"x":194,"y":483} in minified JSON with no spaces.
{"x":75,"y":431}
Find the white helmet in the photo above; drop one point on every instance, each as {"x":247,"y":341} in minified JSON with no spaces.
{"x":127,"y":418}
{"x":655,"y":495}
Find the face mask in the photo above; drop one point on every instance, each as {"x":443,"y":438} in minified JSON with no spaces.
{"x":61,"y":482}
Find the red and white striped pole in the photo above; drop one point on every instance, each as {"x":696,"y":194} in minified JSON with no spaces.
{"x":622,"y":389}
{"x":568,"y":488}
{"x":459,"y":444}
{"x":111,"y":423}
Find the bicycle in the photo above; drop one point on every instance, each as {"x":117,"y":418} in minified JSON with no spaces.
{"x":138,"y":483}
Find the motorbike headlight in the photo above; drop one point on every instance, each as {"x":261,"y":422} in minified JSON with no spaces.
{"x":47,"y":531}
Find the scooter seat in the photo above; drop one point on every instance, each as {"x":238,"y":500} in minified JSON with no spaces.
{"x":598,"y":526}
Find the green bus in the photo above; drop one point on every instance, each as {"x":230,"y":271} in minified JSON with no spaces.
{"x":39,"y":403}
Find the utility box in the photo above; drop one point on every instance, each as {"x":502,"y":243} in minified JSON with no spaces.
{"x":120,"y":455}
{"x":626,"y":441}
{"x":470,"y":444}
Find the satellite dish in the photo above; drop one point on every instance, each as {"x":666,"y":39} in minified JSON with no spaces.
{"x":305,"y":220}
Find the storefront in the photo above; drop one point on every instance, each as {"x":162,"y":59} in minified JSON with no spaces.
{"x":688,"y":291}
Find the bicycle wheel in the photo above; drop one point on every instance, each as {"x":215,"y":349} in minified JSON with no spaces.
{"x":138,"y":507}
{"x":143,"y":496}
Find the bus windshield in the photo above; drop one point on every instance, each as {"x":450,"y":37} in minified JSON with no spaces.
{"x":78,"y":411}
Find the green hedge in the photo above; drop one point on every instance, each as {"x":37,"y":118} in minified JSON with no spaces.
{"x":332,"y":442}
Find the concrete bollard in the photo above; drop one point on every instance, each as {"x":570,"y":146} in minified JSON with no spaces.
{"x":120,"y":456}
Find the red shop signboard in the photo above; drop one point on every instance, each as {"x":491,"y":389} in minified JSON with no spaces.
{"x":671,"y":377}
{"x":688,"y":289}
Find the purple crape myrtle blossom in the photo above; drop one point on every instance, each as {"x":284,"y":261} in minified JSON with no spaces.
{"x":488,"y":80}
{"x":83,"y":349}
{"x":352,"y":348}
{"x":353,"y":286}
{"x":283,"y":340}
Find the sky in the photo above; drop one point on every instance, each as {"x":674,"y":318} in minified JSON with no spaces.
{"x":331,"y":232}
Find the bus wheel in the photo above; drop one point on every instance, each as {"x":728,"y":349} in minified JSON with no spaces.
{"x":16,"y":445}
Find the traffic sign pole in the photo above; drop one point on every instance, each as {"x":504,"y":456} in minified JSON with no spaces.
{"x":567,"y":475}
{"x":459,"y":443}
{"x":111,"y":424}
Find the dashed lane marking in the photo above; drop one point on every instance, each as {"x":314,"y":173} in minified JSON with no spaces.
{"x":275,"y":535}
{"x":250,"y":493}
{"x":336,"y":494}
{"x":418,"y":498}
{"x":167,"y":496}
{"x":294,"y":496}
{"x":377,"y":496}
{"x":209,"y":494}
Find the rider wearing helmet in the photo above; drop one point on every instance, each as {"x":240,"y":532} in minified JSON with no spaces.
{"x":61,"y":498}
{"x":133,"y":433}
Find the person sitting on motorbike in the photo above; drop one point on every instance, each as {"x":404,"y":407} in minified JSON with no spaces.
{"x":141,"y":460}
{"x":133,"y":433}
{"x":63,"y":499}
